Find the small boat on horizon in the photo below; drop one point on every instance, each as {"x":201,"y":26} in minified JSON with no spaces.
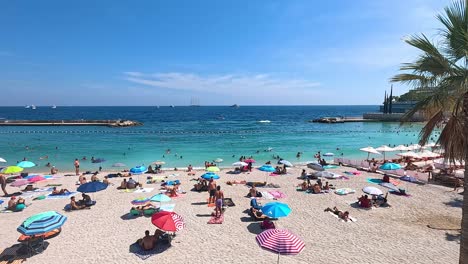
{"x":54,"y":106}
{"x":171,"y":106}
{"x":27,"y":106}
{"x":235,"y":106}
{"x":33,"y":107}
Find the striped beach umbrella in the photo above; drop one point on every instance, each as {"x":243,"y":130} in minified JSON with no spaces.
{"x":209,"y":175}
{"x":168,"y":221}
{"x":138,"y":170}
{"x":140,"y":201}
{"x":280,"y":241}
{"x":42,"y":223}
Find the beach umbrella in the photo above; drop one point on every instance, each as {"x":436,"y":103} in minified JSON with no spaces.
{"x":315,"y":166}
{"x":250,"y":161}
{"x":159,"y":162}
{"x":267,"y":168}
{"x":160,"y":198}
{"x":409,"y":154}
{"x":428,"y":154}
{"x":218,"y":160}
{"x":415,"y":147}
{"x":390,"y":186}
{"x":372,"y":190}
{"x":36,"y":178}
{"x":390,"y":166}
{"x":276,"y":209}
{"x":209,"y":175}
{"x":138,"y":170}
{"x":2,"y":160}
{"x":239,"y":164}
{"x":384,"y":148}
{"x":280,"y":241}
{"x":286,"y":163}
{"x":118,"y":164}
{"x":328,"y":154}
{"x":401,"y":148}
{"x":140,"y":201}
{"x":26,"y":164}
{"x":168,"y":221}
{"x":12,"y":169}
{"x":42,"y":223}
{"x":212,"y":169}
{"x":370,"y":150}
{"x":92,"y":187}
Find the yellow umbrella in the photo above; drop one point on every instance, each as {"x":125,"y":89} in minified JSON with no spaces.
{"x":212,"y":169}
{"x":12,"y":169}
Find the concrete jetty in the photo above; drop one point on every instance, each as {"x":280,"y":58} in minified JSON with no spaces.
{"x":80,"y":122}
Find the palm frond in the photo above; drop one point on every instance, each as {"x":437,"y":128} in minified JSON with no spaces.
{"x":453,"y":140}
{"x":455,"y":21}
{"x":427,"y":130}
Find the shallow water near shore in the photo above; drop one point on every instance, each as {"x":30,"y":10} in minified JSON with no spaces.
{"x":193,"y":135}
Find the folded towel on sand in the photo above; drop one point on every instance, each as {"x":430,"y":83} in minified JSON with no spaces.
{"x":144,"y":190}
{"x":216,"y":220}
{"x":61,"y":196}
{"x":267,"y":195}
{"x":277,"y":194}
{"x":145,"y":254}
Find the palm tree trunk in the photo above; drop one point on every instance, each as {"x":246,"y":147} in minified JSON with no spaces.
{"x":464,"y":224}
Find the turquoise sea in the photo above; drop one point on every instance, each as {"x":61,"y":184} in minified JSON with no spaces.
{"x":193,"y":135}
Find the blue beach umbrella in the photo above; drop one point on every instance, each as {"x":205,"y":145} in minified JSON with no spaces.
{"x":42,"y":223}
{"x":276,"y":209}
{"x":160,"y":198}
{"x":390,"y":166}
{"x":267,"y":168}
{"x":209,"y":175}
{"x":138,"y":170}
{"x":26,"y":164}
{"x":92,"y":187}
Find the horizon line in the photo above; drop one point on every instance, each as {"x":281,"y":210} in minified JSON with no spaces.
{"x":187,"y":105}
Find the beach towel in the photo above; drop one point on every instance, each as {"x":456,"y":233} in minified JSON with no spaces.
{"x":344,"y":191}
{"x":277,"y":194}
{"x":167,"y":207}
{"x":145,"y":254}
{"x":179,"y":195}
{"x":61,"y":196}
{"x":144,"y":190}
{"x":267,"y":195}
{"x":228,"y":202}
{"x":373,"y":180}
{"x":351,"y":219}
{"x":274,"y":174}
{"x":216,"y":220}
{"x":330,"y":166}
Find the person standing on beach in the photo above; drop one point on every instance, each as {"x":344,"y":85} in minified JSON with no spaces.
{"x":77,"y":167}
{"x":3,"y":184}
{"x":219,"y":196}
{"x":212,"y":191}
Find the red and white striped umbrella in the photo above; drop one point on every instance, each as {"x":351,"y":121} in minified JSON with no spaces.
{"x":168,"y":221}
{"x":280,"y":241}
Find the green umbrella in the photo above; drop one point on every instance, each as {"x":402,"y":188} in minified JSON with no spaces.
{"x":12,"y":169}
{"x":39,"y":216}
{"x":212,"y":169}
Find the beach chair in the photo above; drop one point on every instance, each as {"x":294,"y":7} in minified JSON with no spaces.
{"x":35,"y":245}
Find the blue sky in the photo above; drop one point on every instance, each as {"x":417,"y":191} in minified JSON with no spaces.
{"x":222,"y":52}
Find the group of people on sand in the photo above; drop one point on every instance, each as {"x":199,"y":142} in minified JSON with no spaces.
{"x":216,"y":196}
{"x":317,"y":187}
{"x":84,"y":203}
{"x":16,"y":205}
{"x":130,"y":184}
{"x":149,"y":242}
{"x":376,"y":201}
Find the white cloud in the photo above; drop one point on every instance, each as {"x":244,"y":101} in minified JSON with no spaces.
{"x":228,"y":84}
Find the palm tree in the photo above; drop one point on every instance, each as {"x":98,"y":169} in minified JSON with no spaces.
{"x":441,"y":72}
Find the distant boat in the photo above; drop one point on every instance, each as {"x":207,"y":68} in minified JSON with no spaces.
{"x":195,"y":101}
{"x":28,"y":106}
{"x":171,"y":106}
{"x":33,"y":107}
{"x":264,"y":121}
{"x":235,"y":105}
{"x":54,"y":106}
{"x":157,"y":106}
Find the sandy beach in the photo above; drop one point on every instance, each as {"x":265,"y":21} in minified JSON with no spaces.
{"x":398,"y":234}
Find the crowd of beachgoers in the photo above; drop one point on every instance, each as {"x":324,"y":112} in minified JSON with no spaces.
{"x":358,"y":214}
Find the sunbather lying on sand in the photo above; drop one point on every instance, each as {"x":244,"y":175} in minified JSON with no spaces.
{"x":340,"y":214}
{"x":57,"y":192}
{"x":257,"y":214}
{"x":235,"y":182}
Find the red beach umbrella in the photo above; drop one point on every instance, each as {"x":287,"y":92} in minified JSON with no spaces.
{"x":168,"y":221}
{"x":280,"y":241}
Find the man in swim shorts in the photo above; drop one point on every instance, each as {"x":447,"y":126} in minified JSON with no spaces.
{"x":211,"y":190}
{"x":219,"y":195}
{"x":3,"y":184}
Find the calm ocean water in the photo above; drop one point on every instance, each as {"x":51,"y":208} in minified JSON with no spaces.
{"x":193,"y":135}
